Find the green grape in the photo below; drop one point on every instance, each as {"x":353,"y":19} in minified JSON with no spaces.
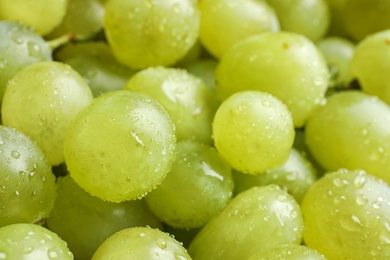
{"x":121,"y":146}
{"x":141,"y":243}
{"x":189,"y":102}
{"x":288,"y":252}
{"x":307,"y":17}
{"x":84,"y":221}
{"x":295,"y":176}
{"x":146,"y":33}
{"x":284,"y":64}
{"x":19,"y":47}
{"x":95,"y":62}
{"x":347,"y":216}
{"x":198,"y":187}
{"x":337,"y":26}
{"x":370,"y":64}
{"x":83,"y":17}
{"x":42,"y":15}
{"x":30,"y":241}
{"x":56,"y":93}
{"x":27,"y":188}
{"x":352,"y":131}
{"x":254,"y":220}
{"x":374,"y":12}
{"x":253,"y":131}
{"x":226,"y":22}
{"x":204,"y":69}
{"x":338,"y":53}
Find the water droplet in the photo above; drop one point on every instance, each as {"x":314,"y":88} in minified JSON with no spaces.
{"x":28,"y":249}
{"x":33,"y":49}
{"x":17,"y":40}
{"x":376,"y":205}
{"x":293,"y":214}
{"x":179,"y":256}
{"x":142,"y":234}
{"x":52,"y":253}
{"x":361,"y":200}
{"x":359,"y":181}
{"x":161,"y":244}
{"x":282,"y":198}
{"x":340,"y":183}
{"x":351,"y":223}
{"x":15,"y":154}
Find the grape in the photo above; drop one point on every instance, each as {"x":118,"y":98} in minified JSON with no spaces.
{"x":141,"y":243}
{"x":85,"y":221}
{"x":198,"y":187}
{"x":295,"y":176}
{"x":352,"y":131}
{"x":30,"y":241}
{"x":288,"y":252}
{"x":19,"y":47}
{"x":375,"y":13}
{"x":204,"y":69}
{"x":42,"y":15}
{"x":370,"y":64}
{"x":145,"y":33}
{"x":27,"y":184}
{"x":284,"y":64}
{"x":253,"y":131}
{"x":189,"y":102}
{"x":120,"y":146}
{"x":226,"y":22}
{"x":57,"y":93}
{"x":347,"y":216}
{"x":254,"y":220}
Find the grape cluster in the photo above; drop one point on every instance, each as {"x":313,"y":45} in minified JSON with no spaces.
{"x":194,"y":129}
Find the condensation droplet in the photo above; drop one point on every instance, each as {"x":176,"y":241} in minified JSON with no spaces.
{"x":161,"y":244}
{"x":15,"y":154}
{"x":361,"y":200}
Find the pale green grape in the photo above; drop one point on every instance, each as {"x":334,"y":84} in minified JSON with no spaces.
{"x":253,"y":131}
{"x":337,"y":26}
{"x":95,"y":62}
{"x":141,"y":243}
{"x":83,"y":17}
{"x":288,"y":252}
{"x":253,"y":221}
{"x":352,"y":131}
{"x":295,"y":176}
{"x":338,"y":53}
{"x":285,"y":64}
{"x":19,"y":47}
{"x":30,"y":241}
{"x":145,"y":33}
{"x":226,"y":22}
{"x":364,"y":17}
{"x":198,"y":187}
{"x":307,"y":17}
{"x":42,"y":15}
{"x":347,"y":216}
{"x":189,"y":102}
{"x":370,"y":64}
{"x":204,"y":69}
{"x":120,"y":146}
{"x":56,"y":93}
{"x":84,"y":221}
{"x":27,"y":189}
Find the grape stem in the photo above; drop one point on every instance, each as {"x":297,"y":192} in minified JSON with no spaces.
{"x":73,"y":37}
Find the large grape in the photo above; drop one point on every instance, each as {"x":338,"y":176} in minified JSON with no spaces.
{"x":121,"y":146}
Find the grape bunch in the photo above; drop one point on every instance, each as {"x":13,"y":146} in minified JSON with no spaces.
{"x":194,"y":129}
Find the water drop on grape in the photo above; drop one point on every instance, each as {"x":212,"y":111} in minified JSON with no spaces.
{"x":179,"y":256}
{"x":33,"y":49}
{"x":361,"y":200}
{"x":161,"y":244}
{"x":15,"y":154}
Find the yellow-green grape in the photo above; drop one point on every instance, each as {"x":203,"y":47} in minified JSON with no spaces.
{"x":121,"y":146}
{"x":19,"y":47}
{"x":352,"y":131}
{"x":85,"y":221}
{"x":337,"y":26}
{"x":347,"y":216}
{"x":284,"y":64}
{"x":295,"y":176}
{"x":27,"y":188}
{"x":289,"y":252}
{"x":338,"y":53}
{"x":198,"y":187}
{"x":370,"y":64}
{"x":144,"y":33}
{"x":30,"y":241}
{"x":96,"y":64}
{"x":41,"y":100}
{"x":375,"y":13}
{"x":42,"y":15}
{"x":309,"y":18}
{"x":83,"y":17}
{"x":204,"y":69}
{"x":189,"y":102}
{"x":253,"y":131}
{"x":226,"y":22}
{"x":254,"y":220}
{"x":141,"y":243}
